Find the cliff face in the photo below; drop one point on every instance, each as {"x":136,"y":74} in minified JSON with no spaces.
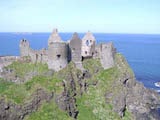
{"x":128,"y":94}
{"x":12,"y":111}
{"x":93,"y":94}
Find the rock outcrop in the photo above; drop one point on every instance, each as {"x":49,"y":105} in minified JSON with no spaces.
{"x":10,"y":111}
{"x":132,"y":95}
{"x":124,"y":93}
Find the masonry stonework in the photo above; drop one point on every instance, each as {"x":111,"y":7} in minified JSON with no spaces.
{"x":57,"y":55}
{"x":88,"y":45}
{"x":60,"y":53}
{"x":75,"y":46}
{"x":24,"y":48}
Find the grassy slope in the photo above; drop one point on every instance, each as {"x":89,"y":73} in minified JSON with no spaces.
{"x":22,"y":69}
{"x":49,"y":111}
{"x":91,"y":105}
{"x":20,"y":93}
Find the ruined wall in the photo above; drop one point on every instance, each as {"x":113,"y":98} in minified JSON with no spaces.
{"x":107,"y":52}
{"x":75,"y":46}
{"x":39,"y":56}
{"x":57,"y":55}
{"x":75,"y":49}
{"x":35,"y":55}
{"x":44,"y":55}
{"x":97,"y":51}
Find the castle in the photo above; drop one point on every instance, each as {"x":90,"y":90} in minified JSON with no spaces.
{"x":60,"y":53}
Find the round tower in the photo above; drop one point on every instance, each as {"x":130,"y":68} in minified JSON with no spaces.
{"x":57,"y":55}
{"x":24,"y":48}
{"x":88,"y":45}
{"x":57,"y":52}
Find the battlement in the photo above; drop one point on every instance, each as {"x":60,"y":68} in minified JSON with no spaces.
{"x":24,"y":43}
{"x":60,"y":53}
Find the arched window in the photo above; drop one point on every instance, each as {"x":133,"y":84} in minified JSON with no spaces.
{"x":87,"y":42}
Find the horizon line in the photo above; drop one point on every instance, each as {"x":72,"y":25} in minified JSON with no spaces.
{"x":83,"y":32}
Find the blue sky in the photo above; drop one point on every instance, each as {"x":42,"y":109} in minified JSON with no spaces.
{"x":110,"y":16}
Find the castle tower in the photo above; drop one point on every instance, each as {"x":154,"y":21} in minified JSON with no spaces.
{"x":75,"y":47}
{"x":24,"y":48}
{"x":107,"y":54}
{"x":54,"y":37}
{"x":88,"y":45}
{"x":57,"y":52}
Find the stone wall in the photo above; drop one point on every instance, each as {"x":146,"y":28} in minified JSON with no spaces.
{"x":97,"y":51}
{"x":54,"y":37}
{"x":40,"y":56}
{"x":35,"y":55}
{"x":107,"y":55}
{"x":24,"y":48}
{"x":75,"y":50}
{"x":57,"y":55}
{"x":88,"y":45}
{"x":60,"y":53}
{"x":75,"y":46}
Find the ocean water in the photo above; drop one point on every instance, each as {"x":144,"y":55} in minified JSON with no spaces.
{"x":140,"y":50}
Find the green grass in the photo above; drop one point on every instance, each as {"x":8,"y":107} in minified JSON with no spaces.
{"x":92,"y":65}
{"x":4,"y":85}
{"x":49,"y":111}
{"x":92,"y":105}
{"x":93,"y":101}
{"x":13,"y":92}
{"x":49,"y":83}
{"x":122,"y":64}
{"x":20,"y":93}
{"x":22,"y":68}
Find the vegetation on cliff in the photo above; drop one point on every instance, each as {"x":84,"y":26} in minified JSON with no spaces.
{"x":95,"y":94}
{"x":94,"y":100}
{"x":20,"y":93}
{"x":49,"y":111}
{"x":23,"y":69}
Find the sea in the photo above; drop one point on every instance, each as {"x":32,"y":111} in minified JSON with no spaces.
{"x":142,"y":51}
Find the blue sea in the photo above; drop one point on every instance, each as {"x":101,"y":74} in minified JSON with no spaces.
{"x":142,"y":51}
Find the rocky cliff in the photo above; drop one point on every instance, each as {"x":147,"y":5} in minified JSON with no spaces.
{"x":93,"y":94}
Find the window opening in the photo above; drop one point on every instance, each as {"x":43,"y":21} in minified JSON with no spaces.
{"x":58,"y":56}
{"x":87,"y":42}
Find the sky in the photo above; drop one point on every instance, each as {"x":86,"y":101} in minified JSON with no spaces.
{"x":107,"y":16}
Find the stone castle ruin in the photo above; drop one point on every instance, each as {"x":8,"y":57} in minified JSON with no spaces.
{"x":60,"y":53}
